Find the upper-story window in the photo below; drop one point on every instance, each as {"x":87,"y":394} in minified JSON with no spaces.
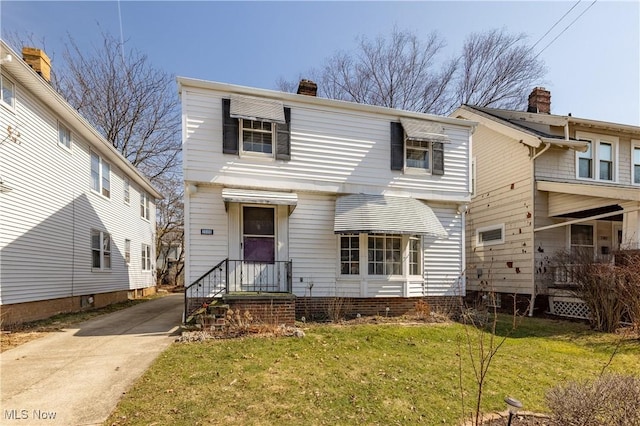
{"x":418,"y":145}
{"x":599,"y":161}
{"x":64,"y":135}
{"x":256,"y":126}
{"x":144,"y":205}
{"x":100,"y":175}
{"x":636,"y":163}
{"x":127,"y":191}
{"x":8,"y":92}
{"x":257,"y":136}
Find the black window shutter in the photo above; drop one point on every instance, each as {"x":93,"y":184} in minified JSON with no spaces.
{"x":397,"y":146}
{"x":229,"y":129}
{"x":283,"y":137}
{"x":438,"y":158}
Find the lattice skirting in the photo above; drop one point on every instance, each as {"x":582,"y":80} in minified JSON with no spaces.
{"x":568,"y":307}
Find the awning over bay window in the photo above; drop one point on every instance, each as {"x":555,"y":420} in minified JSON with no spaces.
{"x":379,"y":214}
{"x":259,"y":109}
{"x":421,"y":130}
{"x":251,"y":196}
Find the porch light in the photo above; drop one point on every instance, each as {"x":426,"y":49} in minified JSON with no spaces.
{"x":513,"y":405}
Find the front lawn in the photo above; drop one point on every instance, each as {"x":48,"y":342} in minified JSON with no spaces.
{"x":363,"y":374}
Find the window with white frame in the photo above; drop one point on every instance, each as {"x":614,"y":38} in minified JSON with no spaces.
{"x":418,"y":154}
{"x":256,"y":136}
{"x":64,"y":136}
{"x":387,"y":254}
{"x":146,"y":257}
{"x":350,"y":254}
{"x":127,"y":251}
{"x":127,"y":191}
{"x":582,"y":240}
{"x":7,"y":92}
{"x":599,"y":161}
{"x":100,"y":175}
{"x":636,"y":163}
{"x":490,"y":235}
{"x":100,"y":250}
{"x":144,"y":205}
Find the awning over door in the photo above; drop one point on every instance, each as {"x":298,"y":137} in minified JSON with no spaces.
{"x":251,"y":196}
{"x":250,"y":108}
{"x":379,"y":214}
{"x":421,"y":130}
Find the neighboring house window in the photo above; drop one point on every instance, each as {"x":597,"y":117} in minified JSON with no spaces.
{"x":417,"y":145}
{"x":582,"y":241}
{"x":585,"y":163}
{"x":605,"y":156}
{"x":265,"y":137}
{"x":100,"y":250}
{"x":599,"y":160}
{"x":385,"y":254}
{"x":127,"y":251}
{"x":490,"y":235}
{"x":8,"y":92}
{"x":127,"y":191}
{"x":64,"y":135}
{"x":100,"y":175}
{"x":636,"y":164}
{"x":350,"y":254}
{"x":146,"y":257}
{"x":144,"y":205}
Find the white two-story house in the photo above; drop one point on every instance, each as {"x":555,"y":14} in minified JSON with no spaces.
{"x":77,"y":220}
{"x":545,"y":184}
{"x":322,"y":199}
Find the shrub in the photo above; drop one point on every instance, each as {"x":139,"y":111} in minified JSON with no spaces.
{"x":607,"y":401}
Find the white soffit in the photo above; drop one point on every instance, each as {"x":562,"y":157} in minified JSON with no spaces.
{"x":423,"y":130}
{"x":379,"y":214}
{"x":259,"y":109}
{"x":589,"y":189}
{"x":250,"y":196}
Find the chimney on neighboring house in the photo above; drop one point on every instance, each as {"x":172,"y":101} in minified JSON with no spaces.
{"x":540,"y":101}
{"x":39,"y":61}
{"x":307,"y":87}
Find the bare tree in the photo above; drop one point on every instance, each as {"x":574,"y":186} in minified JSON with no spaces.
{"x":134,"y":105}
{"x":497,"y":69}
{"x":494,"y":69}
{"x":170,"y":230}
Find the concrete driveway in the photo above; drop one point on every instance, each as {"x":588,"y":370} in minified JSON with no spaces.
{"x":76,"y":377}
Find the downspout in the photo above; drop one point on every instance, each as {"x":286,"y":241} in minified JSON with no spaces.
{"x":546,"y":147}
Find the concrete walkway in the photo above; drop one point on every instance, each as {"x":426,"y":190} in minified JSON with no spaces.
{"x":76,"y":377}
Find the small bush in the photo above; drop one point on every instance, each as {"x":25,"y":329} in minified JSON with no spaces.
{"x":610,"y":400}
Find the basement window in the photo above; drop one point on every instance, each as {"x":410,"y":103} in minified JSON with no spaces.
{"x":490,"y":235}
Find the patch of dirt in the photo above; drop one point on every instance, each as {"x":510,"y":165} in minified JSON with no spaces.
{"x":522,"y":419}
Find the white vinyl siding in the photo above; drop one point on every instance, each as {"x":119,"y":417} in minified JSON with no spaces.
{"x":45,"y":236}
{"x":332,"y":150}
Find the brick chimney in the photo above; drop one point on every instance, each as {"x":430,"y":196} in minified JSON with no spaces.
{"x":39,"y":61}
{"x":307,"y":87}
{"x":540,"y":101}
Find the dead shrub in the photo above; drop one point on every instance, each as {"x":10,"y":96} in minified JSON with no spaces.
{"x":610,"y":400}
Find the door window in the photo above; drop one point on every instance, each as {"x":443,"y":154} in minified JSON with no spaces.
{"x":258,"y":234}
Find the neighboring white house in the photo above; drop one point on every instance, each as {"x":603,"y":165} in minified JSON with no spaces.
{"x":323,"y":198}
{"x":77,"y":220}
{"x":547,"y":183}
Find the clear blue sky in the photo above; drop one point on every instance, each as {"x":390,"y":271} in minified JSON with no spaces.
{"x":594,"y":66}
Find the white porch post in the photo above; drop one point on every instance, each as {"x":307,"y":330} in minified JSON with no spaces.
{"x":631,"y":226}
